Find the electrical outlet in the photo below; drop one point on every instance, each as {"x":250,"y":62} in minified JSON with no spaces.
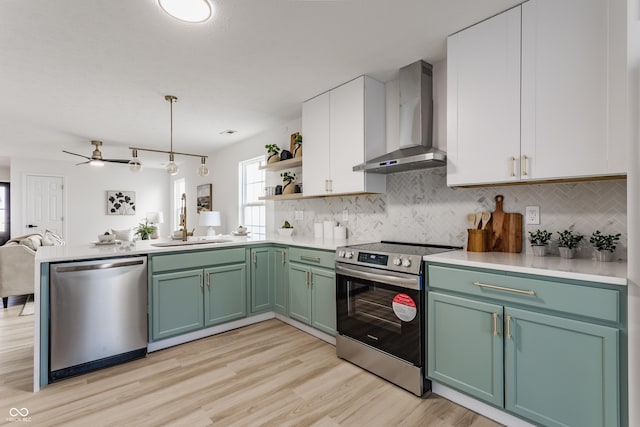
{"x":532,"y":215}
{"x":345,"y":215}
{"x":299,"y":215}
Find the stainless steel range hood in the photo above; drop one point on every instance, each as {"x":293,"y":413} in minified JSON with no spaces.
{"x":416,"y":126}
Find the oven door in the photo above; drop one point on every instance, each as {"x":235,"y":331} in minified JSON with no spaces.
{"x":382,"y":309}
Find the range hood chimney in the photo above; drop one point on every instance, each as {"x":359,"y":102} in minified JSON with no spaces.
{"x":416,"y":126}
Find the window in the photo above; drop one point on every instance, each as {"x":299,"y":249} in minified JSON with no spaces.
{"x":252,"y":212}
{"x":178,"y":190}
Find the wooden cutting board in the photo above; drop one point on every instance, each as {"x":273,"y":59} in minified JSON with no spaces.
{"x":506,"y":229}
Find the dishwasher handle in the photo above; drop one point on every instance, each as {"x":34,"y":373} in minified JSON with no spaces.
{"x":101,"y":266}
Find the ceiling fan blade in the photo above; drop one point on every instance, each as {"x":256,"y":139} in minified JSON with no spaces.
{"x":75,"y":154}
{"x":82,"y":163}
{"x":116,"y":160}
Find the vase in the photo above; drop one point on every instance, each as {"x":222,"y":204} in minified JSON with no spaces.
{"x":273,"y":158}
{"x":539,"y":250}
{"x":567,"y":252}
{"x":297,"y":152}
{"x":289,"y":188}
{"x":604,"y":256}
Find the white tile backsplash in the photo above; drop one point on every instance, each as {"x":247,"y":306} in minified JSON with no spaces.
{"x":419,"y":207}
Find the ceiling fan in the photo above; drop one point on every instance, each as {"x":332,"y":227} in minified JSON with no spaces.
{"x":96,"y":158}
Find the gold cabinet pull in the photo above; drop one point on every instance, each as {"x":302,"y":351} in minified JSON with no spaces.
{"x":502,"y":288}
{"x":495,"y":324}
{"x":508,"y":321}
{"x":310,"y":258}
{"x":208,"y":277}
{"x":201,"y":281}
{"x":523,"y":165}
{"x":513,"y":166}
{"x":282,"y":255}
{"x":254,"y":257}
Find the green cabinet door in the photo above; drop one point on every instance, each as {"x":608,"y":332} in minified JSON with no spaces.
{"x":299,"y":293}
{"x":261,"y":281}
{"x":280,"y":278}
{"x":225,"y":295}
{"x":465,"y":347}
{"x":177,"y":303}
{"x":561,"y":372}
{"x":323,"y":300}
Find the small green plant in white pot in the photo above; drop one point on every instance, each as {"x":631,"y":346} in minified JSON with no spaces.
{"x":272,"y":153}
{"x":286,"y":230}
{"x":604,"y":245}
{"x":568,"y":243}
{"x":539,"y":241}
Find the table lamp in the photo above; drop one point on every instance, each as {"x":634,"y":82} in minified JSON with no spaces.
{"x":209,"y":219}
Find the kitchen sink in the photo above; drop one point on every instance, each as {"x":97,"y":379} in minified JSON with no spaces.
{"x":189,"y":242}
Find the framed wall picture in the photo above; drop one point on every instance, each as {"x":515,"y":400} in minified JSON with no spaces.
{"x":204,"y":197}
{"x":121,"y":202}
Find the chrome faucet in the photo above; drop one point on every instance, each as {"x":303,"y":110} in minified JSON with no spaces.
{"x":183,"y":216}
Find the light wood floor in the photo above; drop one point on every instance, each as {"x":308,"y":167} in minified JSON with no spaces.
{"x":265,"y":374}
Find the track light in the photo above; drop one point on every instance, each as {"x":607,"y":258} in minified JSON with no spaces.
{"x":203,"y":170}
{"x":134,"y":163}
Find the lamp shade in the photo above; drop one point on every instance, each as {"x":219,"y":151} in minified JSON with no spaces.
{"x":209,"y":218}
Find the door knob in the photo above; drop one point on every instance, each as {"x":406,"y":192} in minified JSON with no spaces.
{"x":31,"y":226}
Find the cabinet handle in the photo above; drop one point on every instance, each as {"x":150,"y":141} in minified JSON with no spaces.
{"x":282,"y":255}
{"x":310,"y":279}
{"x":208,"y":277}
{"x":502,"y":288}
{"x":523,"y":165}
{"x":201,"y":281}
{"x":508,"y":327}
{"x":330,"y":186}
{"x":254,"y":257}
{"x":513,"y":166}
{"x":310,"y":258}
{"x":306,"y":278}
{"x":495,"y":324}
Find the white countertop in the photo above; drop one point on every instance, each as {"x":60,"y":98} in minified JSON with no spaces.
{"x":144,"y":247}
{"x":614,"y":273}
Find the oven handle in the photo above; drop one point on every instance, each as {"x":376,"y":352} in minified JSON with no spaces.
{"x":404,"y":281}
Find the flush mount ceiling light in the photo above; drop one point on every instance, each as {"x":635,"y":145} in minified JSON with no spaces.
{"x":135,"y":165}
{"x":193,"y":11}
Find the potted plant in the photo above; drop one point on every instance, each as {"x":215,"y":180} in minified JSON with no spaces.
{"x":568,"y":242}
{"x":539,"y":241}
{"x":272,"y":153}
{"x":297,"y":146}
{"x":144,"y":230}
{"x":286,"y":229}
{"x":604,"y":245}
{"x":288,"y":179}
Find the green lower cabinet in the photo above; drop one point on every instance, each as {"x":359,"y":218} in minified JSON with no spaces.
{"x":177,"y":303}
{"x":561,"y":372}
{"x":225,"y":295}
{"x":465,"y":348}
{"x":299,"y":293}
{"x":280,"y":277}
{"x":312,"y":296}
{"x":323,"y":300}
{"x":261,"y":280}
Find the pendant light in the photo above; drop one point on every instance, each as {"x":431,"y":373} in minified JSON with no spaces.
{"x":172,"y":168}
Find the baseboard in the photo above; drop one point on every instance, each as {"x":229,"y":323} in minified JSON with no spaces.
{"x":477,"y":406}
{"x":203,"y":333}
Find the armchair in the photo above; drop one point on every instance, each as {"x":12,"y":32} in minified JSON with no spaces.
{"x":17,"y":264}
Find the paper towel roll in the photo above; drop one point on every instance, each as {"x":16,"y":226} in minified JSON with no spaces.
{"x":328,"y":229}
{"x":318,"y":228}
{"x":340,"y":233}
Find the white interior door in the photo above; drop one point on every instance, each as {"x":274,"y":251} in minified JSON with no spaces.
{"x":44,"y":204}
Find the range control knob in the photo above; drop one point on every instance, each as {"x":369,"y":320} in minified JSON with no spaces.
{"x":341,"y":254}
{"x":406,"y":262}
{"x":397,"y":261}
{"x":348,"y":255}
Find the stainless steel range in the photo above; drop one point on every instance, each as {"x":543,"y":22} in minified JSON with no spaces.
{"x":381,"y":310}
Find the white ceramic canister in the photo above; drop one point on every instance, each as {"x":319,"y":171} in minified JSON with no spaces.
{"x":328,"y":229}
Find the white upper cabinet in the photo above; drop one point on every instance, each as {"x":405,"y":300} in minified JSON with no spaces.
{"x":343,"y":128}
{"x":559,"y":116}
{"x":483,"y":101}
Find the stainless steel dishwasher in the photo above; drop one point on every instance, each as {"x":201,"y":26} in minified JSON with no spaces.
{"x":98,"y":314}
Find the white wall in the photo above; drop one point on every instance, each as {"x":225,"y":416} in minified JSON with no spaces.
{"x":224,"y":170}
{"x":85,"y":196}
{"x":633,"y":206}
{"x":5,"y":173}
